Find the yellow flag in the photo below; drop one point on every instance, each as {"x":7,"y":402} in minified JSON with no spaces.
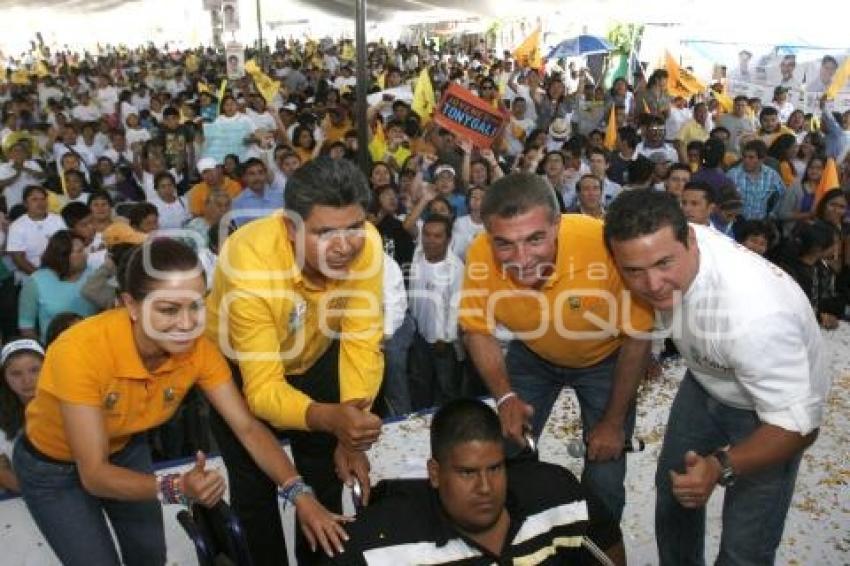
{"x":347,"y":52}
{"x":221,"y":90}
{"x":839,"y":79}
{"x":725,"y":101}
{"x":828,"y":181}
{"x":20,"y":77}
{"x":378,"y":145}
{"x":267,"y":87}
{"x":528,"y":53}
{"x":382,"y":81}
{"x":41,"y":70}
{"x":424,"y":101}
{"x":610,"y":141}
{"x":204,"y":87}
{"x":680,"y":81}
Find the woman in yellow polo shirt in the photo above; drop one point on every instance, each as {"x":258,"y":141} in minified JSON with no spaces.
{"x":104,"y":384}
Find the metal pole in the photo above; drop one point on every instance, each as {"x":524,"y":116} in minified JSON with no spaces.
{"x":260,"y":56}
{"x":362,"y":86}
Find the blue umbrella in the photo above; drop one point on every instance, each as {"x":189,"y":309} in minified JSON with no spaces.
{"x":579,"y":46}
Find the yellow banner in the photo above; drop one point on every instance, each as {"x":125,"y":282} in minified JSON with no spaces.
{"x":267,"y":87}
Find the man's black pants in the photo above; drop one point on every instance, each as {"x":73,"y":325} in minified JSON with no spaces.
{"x":253,"y":495}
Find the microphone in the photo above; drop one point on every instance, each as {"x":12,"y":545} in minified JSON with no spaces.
{"x":578,"y":448}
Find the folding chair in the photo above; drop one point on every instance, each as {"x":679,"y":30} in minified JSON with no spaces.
{"x":216,"y":534}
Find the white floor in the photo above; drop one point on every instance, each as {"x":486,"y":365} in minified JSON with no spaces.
{"x":817,"y":531}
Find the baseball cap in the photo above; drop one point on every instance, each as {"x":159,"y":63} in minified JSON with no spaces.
{"x":206,"y":163}
{"x":659,"y":157}
{"x":444,"y":168}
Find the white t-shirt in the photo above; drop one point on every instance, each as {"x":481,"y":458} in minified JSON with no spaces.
{"x":749,"y":336}
{"x":30,"y":236}
{"x":395,"y":297}
{"x":14,"y":192}
{"x":463,"y":232}
{"x":434,"y":296}
{"x":90,"y":113}
{"x":172,"y":215}
{"x":668,"y":150}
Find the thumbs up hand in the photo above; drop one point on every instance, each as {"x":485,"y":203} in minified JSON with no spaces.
{"x":694,"y":487}
{"x":205,"y":486}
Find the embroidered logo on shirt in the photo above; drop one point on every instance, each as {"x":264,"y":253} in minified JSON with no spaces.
{"x":111,"y":400}
{"x":297,"y":316}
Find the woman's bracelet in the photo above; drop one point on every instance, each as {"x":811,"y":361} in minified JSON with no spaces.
{"x":169,"y":490}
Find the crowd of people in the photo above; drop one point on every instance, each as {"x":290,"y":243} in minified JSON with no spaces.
{"x":143,"y":253}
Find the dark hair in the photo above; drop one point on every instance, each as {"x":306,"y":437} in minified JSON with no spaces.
{"x":57,"y":255}
{"x":695,"y":145}
{"x":73,"y":213}
{"x":678,"y":167}
{"x":756,"y":146}
{"x":713,"y":151}
{"x":139,"y":211}
{"x":297,"y":134}
{"x":768,"y":111}
{"x":629,"y":136}
{"x":780,"y":147}
{"x":639,"y":170}
{"x":588,"y":176}
{"x":100,"y":194}
{"x":142,"y":266}
{"x":11,"y":407}
{"x":747,"y":228}
{"x":657,"y":75}
{"x":461,"y":421}
{"x":170,"y":111}
{"x":31,"y":189}
{"x":163,"y":175}
{"x":440,"y":219}
{"x":829,"y":59}
{"x":740,"y":98}
{"x":326,"y":182}
{"x":591,"y":151}
{"x":253,"y":162}
{"x":702,"y":187}
{"x":719,"y":130}
{"x":60,"y":323}
{"x":639,"y":213}
{"x":809,"y":165}
{"x":828,"y":196}
{"x":811,"y":236}
{"x":516,"y":194}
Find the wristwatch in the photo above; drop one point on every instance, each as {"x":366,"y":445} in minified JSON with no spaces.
{"x":727,"y":474}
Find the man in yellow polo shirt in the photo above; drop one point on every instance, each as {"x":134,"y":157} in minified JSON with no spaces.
{"x":212,"y":180}
{"x":548,"y":278}
{"x":296,"y":307}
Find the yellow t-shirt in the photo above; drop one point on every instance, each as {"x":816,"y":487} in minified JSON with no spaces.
{"x":575,"y":319}
{"x":96,"y":363}
{"x":198,"y":194}
{"x":273,"y":322}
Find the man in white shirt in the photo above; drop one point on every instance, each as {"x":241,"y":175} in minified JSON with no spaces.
{"x":86,"y":110}
{"x":435,"y":278}
{"x":18,"y":173}
{"x":519,"y":126}
{"x":753,"y":397}
{"x":399,"y":329}
{"x":654,"y":142}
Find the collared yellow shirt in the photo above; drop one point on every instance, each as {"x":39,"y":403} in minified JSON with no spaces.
{"x":265,"y":316}
{"x":576,"y":319}
{"x":96,"y":363}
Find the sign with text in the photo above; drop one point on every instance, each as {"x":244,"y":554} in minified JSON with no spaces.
{"x":468,"y":116}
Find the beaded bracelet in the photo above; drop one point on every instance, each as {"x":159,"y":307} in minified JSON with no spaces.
{"x":169,"y":490}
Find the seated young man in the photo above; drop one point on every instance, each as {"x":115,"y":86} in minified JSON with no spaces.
{"x":476,"y":508}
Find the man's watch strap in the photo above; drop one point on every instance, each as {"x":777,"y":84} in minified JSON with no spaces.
{"x":727,"y":473}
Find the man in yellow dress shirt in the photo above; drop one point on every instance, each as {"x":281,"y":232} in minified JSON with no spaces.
{"x":296,"y":306}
